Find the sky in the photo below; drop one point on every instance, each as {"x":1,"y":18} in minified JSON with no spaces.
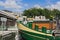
{"x":21,"y":5}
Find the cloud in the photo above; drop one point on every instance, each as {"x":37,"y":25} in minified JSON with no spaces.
{"x":54,"y":6}
{"x":10,"y":4}
{"x":13,"y":5}
{"x":37,"y":6}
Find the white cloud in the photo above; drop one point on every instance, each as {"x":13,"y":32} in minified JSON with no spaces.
{"x":54,"y":6}
{"x":37,"y":6}
{"x":10,"y":4}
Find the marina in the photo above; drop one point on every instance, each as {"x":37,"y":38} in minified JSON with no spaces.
{"x":23,"y":27}
{"x":29,"y":20}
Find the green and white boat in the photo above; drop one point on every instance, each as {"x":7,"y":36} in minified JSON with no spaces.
{"x":26,"y":31}
{"x":30,"y":34}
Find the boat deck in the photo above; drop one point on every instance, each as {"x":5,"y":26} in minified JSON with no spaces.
{"x":7,"y":35}
{"x":2,"y":33}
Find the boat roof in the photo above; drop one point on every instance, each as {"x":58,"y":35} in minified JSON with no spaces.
{"x":7,"y":15}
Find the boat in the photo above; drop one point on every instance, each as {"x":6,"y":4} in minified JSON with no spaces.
{"x":27,"y":31}
{"x":8,"y":26}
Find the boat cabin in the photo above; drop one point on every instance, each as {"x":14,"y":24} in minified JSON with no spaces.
{"x":46,"y":24}
{"x":41,"y":21}
{"x":7,"y":22}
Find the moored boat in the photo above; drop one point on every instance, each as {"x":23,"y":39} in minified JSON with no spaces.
{"x":38,"y":29}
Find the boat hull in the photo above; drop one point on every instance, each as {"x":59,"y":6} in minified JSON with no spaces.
{"x":32,"y":36}
{"x":29,"y":34}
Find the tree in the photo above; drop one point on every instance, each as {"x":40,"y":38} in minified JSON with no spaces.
{"x":44,"y":12}
{"x":32,"y":12}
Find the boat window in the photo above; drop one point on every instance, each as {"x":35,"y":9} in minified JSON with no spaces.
{"x":10,"y":23}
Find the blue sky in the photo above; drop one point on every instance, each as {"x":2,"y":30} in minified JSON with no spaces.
{"x":21,"y":5}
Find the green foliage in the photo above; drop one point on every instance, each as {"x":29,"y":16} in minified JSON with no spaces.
{"x":44,"y":12}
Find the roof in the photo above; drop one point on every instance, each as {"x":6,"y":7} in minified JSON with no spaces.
{"x":7,"y":15}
